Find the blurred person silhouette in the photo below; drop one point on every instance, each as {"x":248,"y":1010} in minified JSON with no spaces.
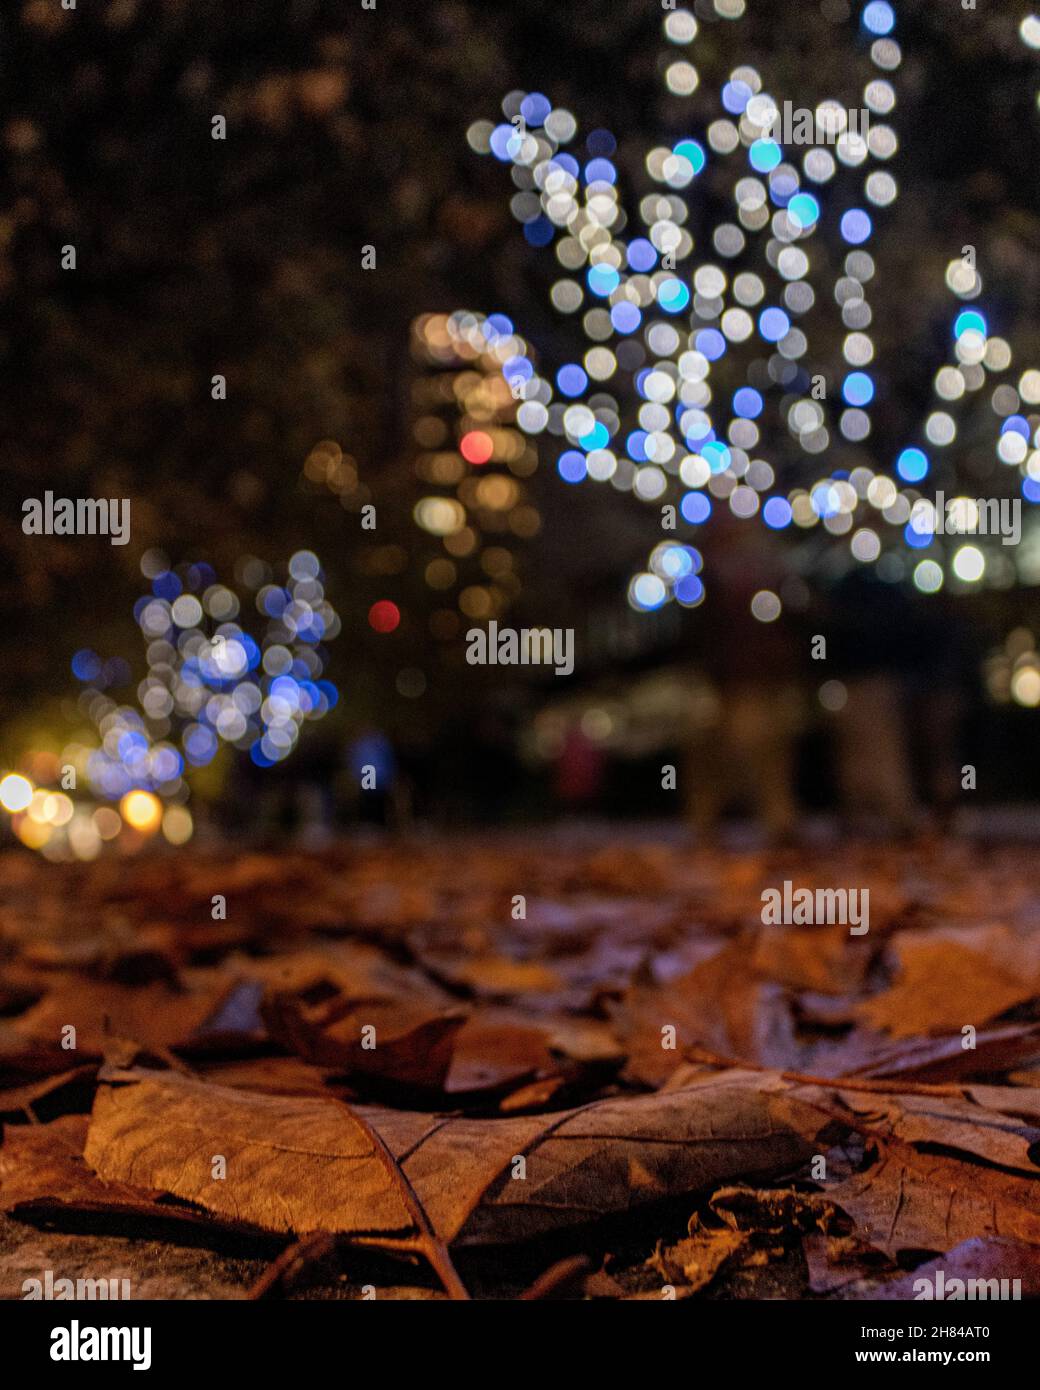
{"x":372,"y":765}
{"x":579,"y":771}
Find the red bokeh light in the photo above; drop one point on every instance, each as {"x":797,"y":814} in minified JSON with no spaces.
{"x":384,"y":616}
{"x":476,"y":446}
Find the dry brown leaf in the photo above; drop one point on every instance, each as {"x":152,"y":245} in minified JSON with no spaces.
{"x":42,"y":1169}
{"x":773,"y":1211}
{"x":947,"y":1059}
{"x":824,"y":959}
{"x":490,"y":1056}
{"x":952,"y":1124}
{"x":834,"y":1262}
{"x":153,"y":1014}
{"x":15,"y":1099}
{"x":719,"y":1005}
{"x":305,"y":1165}
{"x":697,"y":1259}
{"x":399,"y":1041}
{"x":941,"y":987}
{"x":276,"y":1076}
{"x":908,"y":1200}
{"x":294,"y":1165}
{"x":1021,"y":1102}
{"x":535,"y":1096}
{"x":357,"y":969}
{"x":498,"y":977}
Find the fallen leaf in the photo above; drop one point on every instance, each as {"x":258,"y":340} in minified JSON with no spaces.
{"x":825,"y":959}
{"x":305,"y":1165}
{"x":906,"y":1200}
{"x":940,"y":988}
{"x":775,"y":1211}
{"x":836,"y":1262}
{"x":294,"y":1165}
{"x":42,"y":1170}
{"x":952,"y":1124}
{"x":697,"y":1259}
{"x":947,"y":1059}
{"x":498,"y":977}
{"x":153,"y":1014}
{"x":395,"y":1040}
{"x":719,"y":1005}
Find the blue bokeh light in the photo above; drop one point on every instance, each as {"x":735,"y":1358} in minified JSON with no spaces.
{"x":695,"y":508}
{"x":603,"y":280}
{"x":858,"y":389}
{"x":912,"y":465}
{"x":803,"y":210}
{"x":773,"y":324}
{"x":856,"y":226}
{"x":535,"y":107}
{"x":692,"y":151}
{"x":879,"y":17}
{"x":747,"y":403}
{"x":572,"y":467}
{"x":673,"y":296}
{"x":777,"y":513}
{"x":969,"y":320}
{"x":571,"y":379}
{"x":764,"y":155}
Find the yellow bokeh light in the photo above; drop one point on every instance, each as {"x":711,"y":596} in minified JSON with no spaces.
{"x":177,"y":825}
{"x":441,"y":516}
{"x":142,"y":811}
{"x":84,"y":839}
{"x":33,"y":834}
{"x":1025,"y":687}
{"x":58,"y":808}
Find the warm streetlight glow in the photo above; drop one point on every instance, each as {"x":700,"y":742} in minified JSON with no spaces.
{"x":142,"y":811}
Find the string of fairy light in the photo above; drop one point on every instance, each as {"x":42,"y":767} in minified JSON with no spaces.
{"x":475,"y":503}
{"x":664,"y":324}
{"x":668,"y":325}
{"x":210,"y":685}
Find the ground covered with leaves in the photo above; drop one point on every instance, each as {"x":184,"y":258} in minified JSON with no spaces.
{"x":534,"y":1066}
